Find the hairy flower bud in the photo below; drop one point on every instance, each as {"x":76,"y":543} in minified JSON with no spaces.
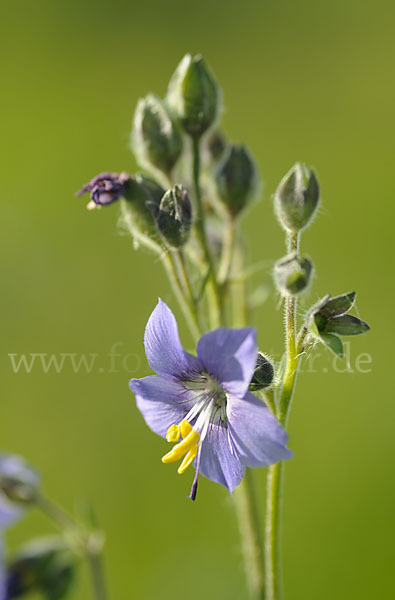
{"x":263,"y":374}
{"x":216,"y":145}
{"x":296,"y":198}
{"x":194,"y":95}
{"x":235,"y":179}
{"x":45,"y":566}
{"x":174,"y":217}
{"x":140,"y":207}
{"x":292,"y":274}
{"x":156,"y":139}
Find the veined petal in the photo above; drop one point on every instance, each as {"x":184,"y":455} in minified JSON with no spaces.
{"x":229,"y":355}
{"x":217,"y":462}
{"x":163,"y":348}
{"x":256,"y":434}
{"x":161,"y":401}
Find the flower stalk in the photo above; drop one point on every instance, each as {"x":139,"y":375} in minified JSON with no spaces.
{"x":212,"y":285}
{"x":88,"y":544}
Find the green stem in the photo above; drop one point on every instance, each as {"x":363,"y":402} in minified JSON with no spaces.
{"x":185,"y":305}
{"x":275,"y":472}
{"x":225,"y":265}
{"x":212,"y":286}
{"x":248,"y":518}
{"x":87,"y":544}
{"x":239,"y":291}
{"x":97,"y":575}
{"x":244,"y":495}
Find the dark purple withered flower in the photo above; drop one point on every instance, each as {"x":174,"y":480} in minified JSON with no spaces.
{"x":204,"y":401}
{"x":105,"y":188}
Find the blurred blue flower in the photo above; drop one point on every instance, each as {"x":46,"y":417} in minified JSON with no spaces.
{"x":18,"y":487}
{"x":3,"y":575}
{"x":204,"y":400}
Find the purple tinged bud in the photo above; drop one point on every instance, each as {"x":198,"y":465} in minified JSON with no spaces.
{"x":105,"y":188}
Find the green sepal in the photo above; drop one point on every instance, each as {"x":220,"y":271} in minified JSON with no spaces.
{"x":333,"y":342}
{"x":339,"y":305}
{"x":346,"y":325}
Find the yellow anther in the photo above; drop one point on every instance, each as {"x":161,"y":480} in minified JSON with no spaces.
{"x":185,"y":427}
{"x":188,"y":459}
{"x":173,"y":433}
{"x":181,"y":448}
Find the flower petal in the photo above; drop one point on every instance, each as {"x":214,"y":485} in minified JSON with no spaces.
{"x":229,"y":355}
{"x":161,"y":401}
{"x":256,"y":434}
{"x":163,"y":348}
{"x":217,"y":462}
{"x":9,"y":512}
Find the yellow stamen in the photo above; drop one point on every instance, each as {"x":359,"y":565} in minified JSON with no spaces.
{"x":186,"y":428}
{"x":188,"y":459}
{"x":173,"y":433}
{"x":181,"y":448}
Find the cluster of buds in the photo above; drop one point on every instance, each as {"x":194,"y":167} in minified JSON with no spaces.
{"x":160,"y":127}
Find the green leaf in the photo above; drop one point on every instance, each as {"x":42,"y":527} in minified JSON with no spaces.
{"x":346,"y":325}
{"x":339,"y":305}
{"x":333,"y":343}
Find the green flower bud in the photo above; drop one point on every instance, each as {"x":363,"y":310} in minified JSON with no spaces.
{"x":216,"y":145}
{"x":174,"y":217}
{"x":236,"y":178}
{"x":156,"y":140}
{"x":292,"y":274}
{"x":194,"y":95}
{"x":297,"y":198}
{"x":45,"y":566}
{"x":142,"y":197}
{"x":263,"y":374}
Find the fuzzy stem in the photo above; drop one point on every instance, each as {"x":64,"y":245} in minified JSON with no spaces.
{"x":276,"y":472}
{"x":212,"y":286}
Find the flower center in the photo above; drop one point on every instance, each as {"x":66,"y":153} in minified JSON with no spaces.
{"x":209,"y":409}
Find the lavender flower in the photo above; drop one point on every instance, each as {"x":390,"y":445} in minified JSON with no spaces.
{"x":105,"y":188}
{"x":3,"y":575}
{"x":18,"y":487}
{"x":205,"y":401}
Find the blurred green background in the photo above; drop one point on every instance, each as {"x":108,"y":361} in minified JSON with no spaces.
{"x":302,"y":80}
